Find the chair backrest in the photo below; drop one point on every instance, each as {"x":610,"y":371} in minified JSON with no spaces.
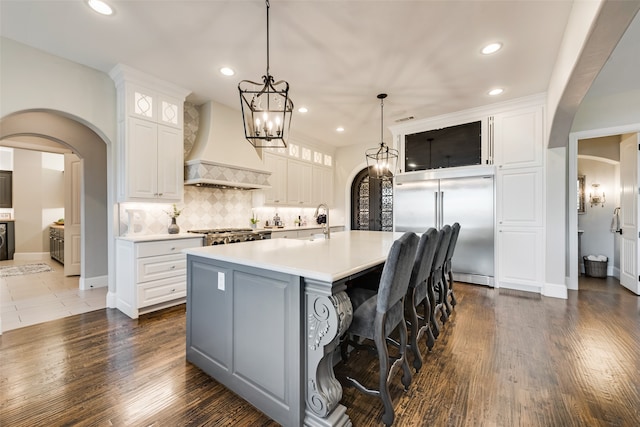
{"x":443,"y":245}
{"x":425,"y":254}
{"x":455,"y":230}
{"x":397,"y":271}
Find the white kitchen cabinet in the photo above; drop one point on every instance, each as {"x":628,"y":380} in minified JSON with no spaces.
{"x":322,"y":183}
{"x":288,"y":234}
{"x":299,"y":188}
{"x":153,"y":163}
{"x":151,"y":274}
{"x":520,"y":200}
{"x":277,"y":165}
{"x":518,"y":138}
{"x":150,"y":143}
{"x":521,"y":258}
{"x":297,"y":182}
{"x":303,"y":232}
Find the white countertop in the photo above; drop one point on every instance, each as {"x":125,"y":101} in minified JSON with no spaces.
{"x":156,"y":237}
{"x":328,"y":260}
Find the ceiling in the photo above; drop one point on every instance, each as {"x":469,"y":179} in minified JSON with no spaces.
{"x":336,"y":55}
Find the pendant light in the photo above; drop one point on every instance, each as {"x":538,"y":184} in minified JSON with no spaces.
{"x":381,"y":160}
{"x":266,"y":108}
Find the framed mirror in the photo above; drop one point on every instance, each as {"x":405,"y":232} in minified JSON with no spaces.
{"x":581,"y":200}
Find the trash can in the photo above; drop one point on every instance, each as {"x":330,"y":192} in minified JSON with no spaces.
{"x":595,"y":267}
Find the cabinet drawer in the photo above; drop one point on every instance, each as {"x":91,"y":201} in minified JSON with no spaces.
{"x":166,"y":247}
{"x":308,"y":233}
{"x":161,"y":267}
{"x":160,"y":291}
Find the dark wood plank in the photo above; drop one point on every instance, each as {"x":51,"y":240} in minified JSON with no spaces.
{"x":504,"y":358}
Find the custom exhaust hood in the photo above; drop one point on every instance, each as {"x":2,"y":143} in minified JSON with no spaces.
{"x":220,"y":156}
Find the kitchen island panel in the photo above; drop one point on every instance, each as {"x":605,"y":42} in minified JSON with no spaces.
{"x":243,"y":328}
{"x":208,"y":326}
{"x":260,"y":316}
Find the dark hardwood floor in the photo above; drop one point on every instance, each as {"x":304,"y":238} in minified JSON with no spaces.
{"x":505,"y":358}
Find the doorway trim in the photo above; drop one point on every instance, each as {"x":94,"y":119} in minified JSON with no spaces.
{"x":572,"y":212}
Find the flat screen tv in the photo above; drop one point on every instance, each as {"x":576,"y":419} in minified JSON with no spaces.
{"x":459,"y":145}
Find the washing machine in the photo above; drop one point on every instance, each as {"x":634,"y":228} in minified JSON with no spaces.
{"x":7,"y":247}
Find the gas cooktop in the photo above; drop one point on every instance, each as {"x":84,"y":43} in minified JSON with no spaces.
{"x":224,"y":236}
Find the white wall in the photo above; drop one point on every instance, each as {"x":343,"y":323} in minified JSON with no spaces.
{"x":611,"y":110}
{"x":38,"y":199}
{"x":31,"y":78}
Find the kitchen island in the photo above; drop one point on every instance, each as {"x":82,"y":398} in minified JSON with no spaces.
{"x":264,"y":319}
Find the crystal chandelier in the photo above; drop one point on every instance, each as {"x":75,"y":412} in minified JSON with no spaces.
{"x":266,"y":108}
{"x":381,"y":160}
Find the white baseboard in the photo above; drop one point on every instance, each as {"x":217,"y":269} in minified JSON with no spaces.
{"x":111,"y":300}
{"x":31,"y":256}
{"x":93,"y":282}
{"x":613,"y":271}
{"x":555,"y":290}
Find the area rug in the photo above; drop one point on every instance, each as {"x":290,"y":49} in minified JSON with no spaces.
{"x":18,"y":270}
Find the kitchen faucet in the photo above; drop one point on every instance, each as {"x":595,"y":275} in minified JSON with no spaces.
{"x":325,"y":227}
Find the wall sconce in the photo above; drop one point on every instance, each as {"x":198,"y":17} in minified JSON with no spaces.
{"x":595,"y":197}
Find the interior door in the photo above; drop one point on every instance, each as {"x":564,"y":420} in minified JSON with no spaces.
{"x":629,"y":212}
{"x":72,"y":211}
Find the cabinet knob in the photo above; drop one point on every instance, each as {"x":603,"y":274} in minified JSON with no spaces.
{"x":173,"y":249}
{"x":173,"y":290}
{"x":173,"y":267}
{"x":160,"y":194}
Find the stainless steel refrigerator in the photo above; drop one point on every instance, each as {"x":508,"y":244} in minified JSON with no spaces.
{"x":437,"y":197}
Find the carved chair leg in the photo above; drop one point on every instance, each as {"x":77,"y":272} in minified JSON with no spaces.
{"x":413,"y":339}
{"x":406,"y":375}
{"x":428,"y":332}
{"x":453,"y":296}
{"x":383,"y":358}
{"x":445,"y":294}
{"x":432,"y":312}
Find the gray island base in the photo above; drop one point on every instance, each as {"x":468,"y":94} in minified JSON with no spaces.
{"x":264,"y":319}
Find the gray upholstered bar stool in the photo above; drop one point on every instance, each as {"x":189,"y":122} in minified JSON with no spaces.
{"x":436,"y":282}
{"x":417,"y":295}
{"x":376,"y":316}
{"x":447,"y":271}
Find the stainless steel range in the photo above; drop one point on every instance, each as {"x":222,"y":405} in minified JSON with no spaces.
{"x":224,"y":236}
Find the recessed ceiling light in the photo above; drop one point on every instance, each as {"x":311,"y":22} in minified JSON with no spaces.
{"x":227,"y":71}
{"x":340,"y":129}
{"x":491,"y":48}
{"x":101,"y":7}
{"x":303,"y":110}
{"x":496,"y":91}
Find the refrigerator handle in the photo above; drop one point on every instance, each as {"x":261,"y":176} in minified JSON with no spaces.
{"x":441,"y":209}
{"x":437,"y":209}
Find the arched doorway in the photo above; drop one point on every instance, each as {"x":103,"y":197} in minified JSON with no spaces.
{"x":371,"y":202}
{"x":25,"y":127}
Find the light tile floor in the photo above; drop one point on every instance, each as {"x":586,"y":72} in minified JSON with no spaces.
{"x":41,"y":297}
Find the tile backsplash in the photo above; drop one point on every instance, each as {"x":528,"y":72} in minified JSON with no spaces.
{"x":206,"y":207}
